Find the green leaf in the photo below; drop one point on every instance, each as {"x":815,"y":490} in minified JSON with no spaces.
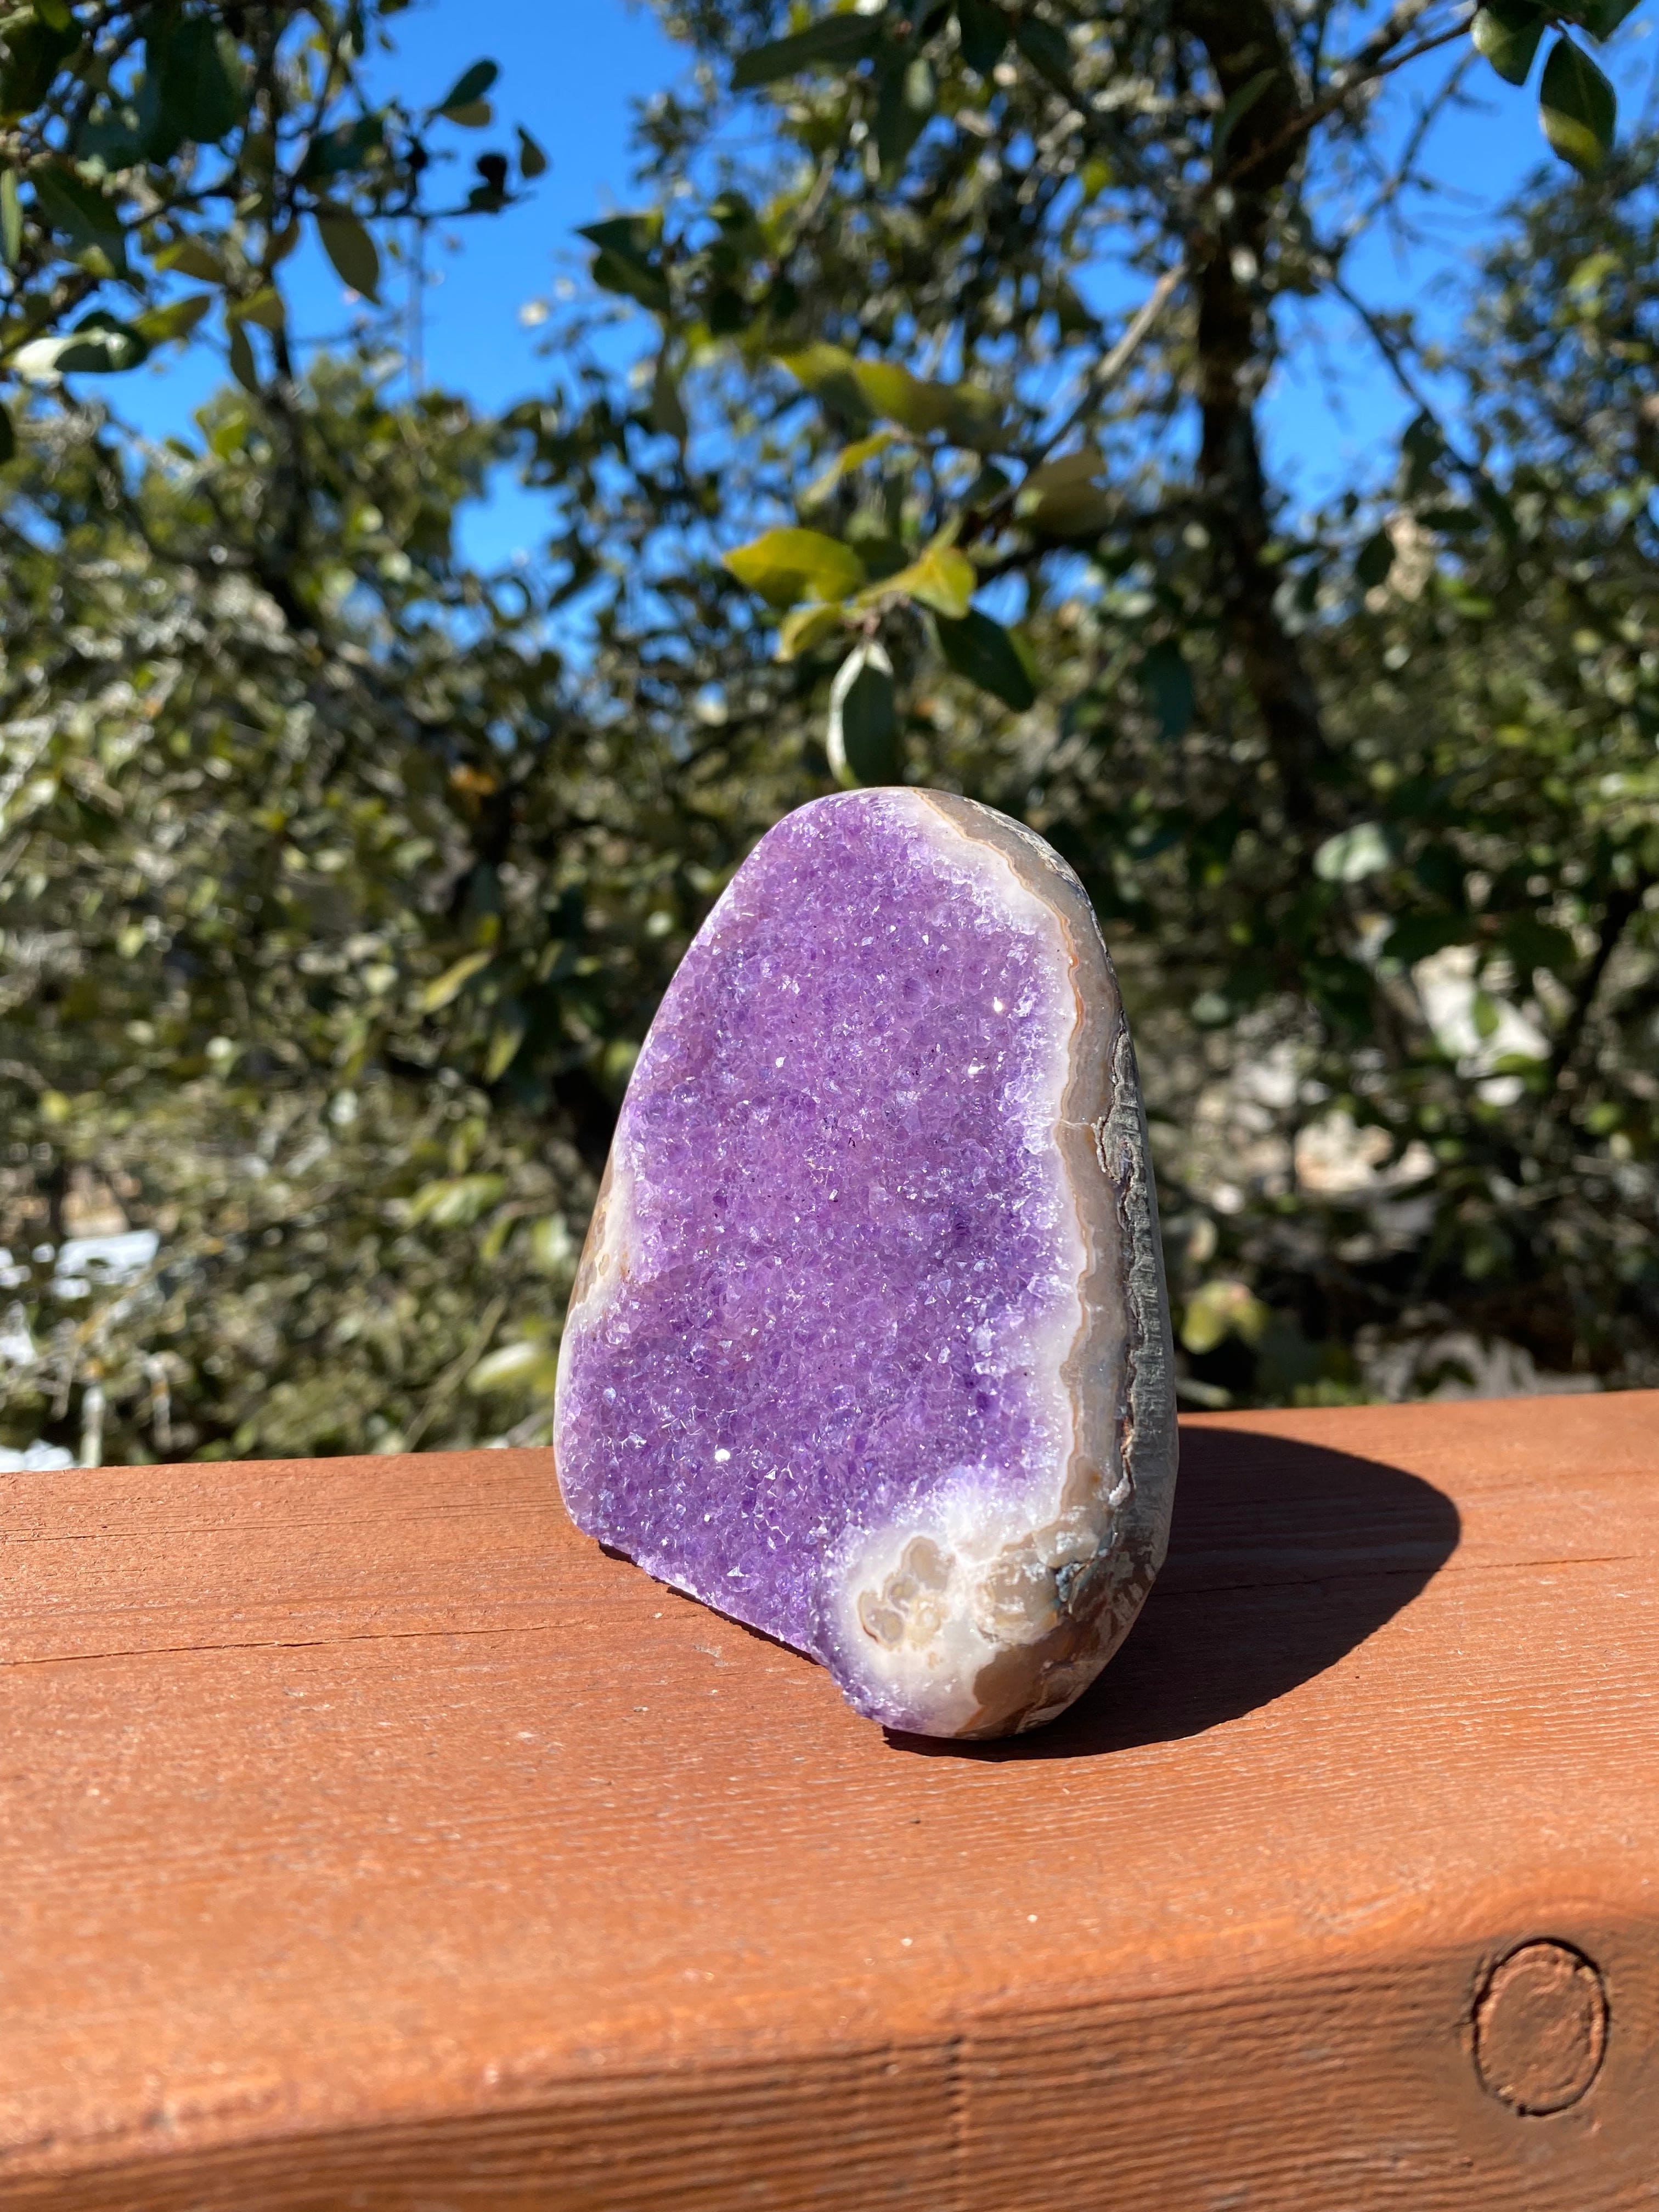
{"x":984,"y":30}
{"x":833,"y":42}
{"x":849,"y":458}
{"x":863,"y":731}
{"x":176,"y":321}
{"x":1577,"y":106}
{"x":243,"y":367}
{"x":450,"y":985}
{"x":623,"y":263}
{"x":829,"y":373}
{"x":524,"y":1365}
{"x":264,"y":308}
{"x":100,"y":344}
{"x":983,"y":651}
{"x":458,"y":1200}
{"x":786,"y":565}
{"x":533,"y":162}
{"x":1064,"y":499}
{"x":1602,"y":18}
{"x":505,"y":1038}
{"x":81,"y":213}
{"x":8,"y":436}
{"x":35,"y":49}
{"x":1220,"y":1310}
{"x":57,"y":14}
{"x":1353,"y":855}
{"x":965,"y":413}
{"x":940,"y":578}
{"x":1167,"y":681}
{"x":469,"y":87}
{"x":806,"y":629}
{"x":200,"y":88}
{"x":634,"y":280}
{"x":471,"y":115}
{"x":1507,"y":32}
{"x":189,"y":257}
{"x":1047,"y":50}
{"x":1374,"y":560}
{"x":903,"y":107}
{"x":1531,"y":943}
{"x":11,"y":219}
{"x":344,"y":150}
{"x":353,"y":253}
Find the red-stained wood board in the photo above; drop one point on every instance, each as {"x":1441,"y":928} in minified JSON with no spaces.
{"x":371,"y":1840}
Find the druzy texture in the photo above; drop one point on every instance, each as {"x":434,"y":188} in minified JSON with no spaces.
{"x":869,"y":1346}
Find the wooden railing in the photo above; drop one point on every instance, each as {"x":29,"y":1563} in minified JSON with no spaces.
{"x":373,"y":1840}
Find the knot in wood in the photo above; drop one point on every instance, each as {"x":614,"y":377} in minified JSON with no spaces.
{"x":1541,"y":2027}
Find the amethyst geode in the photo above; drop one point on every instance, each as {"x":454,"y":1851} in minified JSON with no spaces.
{"x":869,"y":1346}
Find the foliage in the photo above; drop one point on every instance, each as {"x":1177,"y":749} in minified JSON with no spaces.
{"x":339,"y":884}
{"x":160,"y":160}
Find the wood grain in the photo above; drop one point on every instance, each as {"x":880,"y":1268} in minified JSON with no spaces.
{"x":372,"y":1840}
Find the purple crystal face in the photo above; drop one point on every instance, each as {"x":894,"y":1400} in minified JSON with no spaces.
{"x":823,"y":1367}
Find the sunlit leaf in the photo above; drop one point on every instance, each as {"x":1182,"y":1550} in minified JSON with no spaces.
{"x":1220,"y":1310}
{"x":11,"y":219}
{"x":1064,"y":498}
{"x":850,"y":457}
{"x":192,"y":257}
{"x":522,"y":1366}
{"x":786,"y":565}
{"x":99,"y":345}
{"x":1507,"y":32}
{"x":1577,"y":106}
{"x":457,"y":1200}
{"x":176,"y":321}
{"x":965,"y":413}
{"x":449,"y":986}
{"x":862,"y":734}
{"x":1353,"y":855}
{"x":940,"y":578}
{"x":506,"y":1035}
{"x":806,"y":628}
{"x":263,"y":307}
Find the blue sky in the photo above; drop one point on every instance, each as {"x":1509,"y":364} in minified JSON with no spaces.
{"x":571,"y":70}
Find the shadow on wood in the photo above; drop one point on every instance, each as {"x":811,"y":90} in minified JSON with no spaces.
{"x":1284,"y":1557}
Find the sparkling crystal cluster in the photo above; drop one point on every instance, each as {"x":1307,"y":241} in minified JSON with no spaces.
{"x":869,"y":1347}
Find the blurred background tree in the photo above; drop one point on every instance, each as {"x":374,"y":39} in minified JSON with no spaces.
{"x":339,"y":878}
